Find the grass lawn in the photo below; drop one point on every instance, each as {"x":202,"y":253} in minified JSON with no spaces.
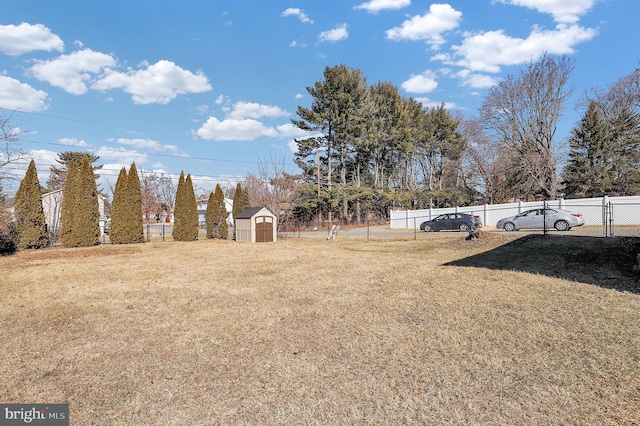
{"x":503,"y":330}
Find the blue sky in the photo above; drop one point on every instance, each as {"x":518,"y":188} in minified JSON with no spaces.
{"x":209,"y":87}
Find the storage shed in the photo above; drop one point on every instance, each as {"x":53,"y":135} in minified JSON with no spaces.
{"x":256,"y":225}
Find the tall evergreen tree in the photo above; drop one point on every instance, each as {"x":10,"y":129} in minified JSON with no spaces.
{"x":69,"y":205}
{"x":212,"y":216}
{"x":135,"y":206}
{"x":31,"y":223}
{"x":185,"y":213}
{"x":589,"y":170}
{"x":118,"y":232}
{"x":337,"y":113}
{"x":178,"y":215}
{"x":224,"y":227}
{"x":86,"y":224}
{"x":217,"y":215}
{"x":240,"y":201}
{"x":625,"y":137}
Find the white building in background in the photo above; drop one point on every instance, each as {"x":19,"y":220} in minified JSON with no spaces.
{"x":52,"y":203}
{"x":203,"y":201}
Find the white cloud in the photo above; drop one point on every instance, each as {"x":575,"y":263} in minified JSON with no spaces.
{"x":294,"y":11}
{"x":375,"y":6}
{"x":20,"y":96}
{"x":430,"y":27}
{"x":476,"y":80}
{"x":487,"y":51}
{"x":71,"y":72}
{"x":19,"y":39}
{"x":120,"y":155}
{"x":148,"y":144}
{"x":288,"y":130}
{"x":234,"y":130}
{"x":243,"y":110}
{"x":421,"y":83}
{"x":293,"y":146}
{"x":428,"y":103}
{"x":157,"y":83}
{"x":563,"y":11}
{"x":74,"y":142}
{"x":336,"y":34}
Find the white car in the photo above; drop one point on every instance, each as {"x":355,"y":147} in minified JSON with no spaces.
{"x":559,"y":219}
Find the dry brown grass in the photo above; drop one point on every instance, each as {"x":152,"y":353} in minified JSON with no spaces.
{"x":316,"y":332}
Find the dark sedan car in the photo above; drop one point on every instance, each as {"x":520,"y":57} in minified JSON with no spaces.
{"x":452,"y":222}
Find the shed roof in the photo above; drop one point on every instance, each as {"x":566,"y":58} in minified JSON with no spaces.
{"x":248,"y":212}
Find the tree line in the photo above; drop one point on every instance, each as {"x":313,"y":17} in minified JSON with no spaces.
{"x":372,"y":149}
{"x":80,"y":215}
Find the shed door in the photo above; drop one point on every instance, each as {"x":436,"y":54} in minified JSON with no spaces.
{"x":264,"y":229}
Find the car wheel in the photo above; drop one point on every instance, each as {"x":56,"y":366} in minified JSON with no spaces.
{"x":561,"y":225}
{"x":464,"y":227}
{"x":427,"y":228}
{"x":509,"y":227}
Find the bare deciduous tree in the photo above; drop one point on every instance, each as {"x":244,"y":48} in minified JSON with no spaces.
{"x":11,"y":151}
{"x":274,"y":189}
{"x":522,"y":113}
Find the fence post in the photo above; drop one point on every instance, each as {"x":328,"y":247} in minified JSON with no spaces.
{"x":605,"y":215}
{"x":545,"y":230}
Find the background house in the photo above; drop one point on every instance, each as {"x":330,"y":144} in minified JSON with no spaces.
{"x":203,"y":201}
{"x":52,"y":202}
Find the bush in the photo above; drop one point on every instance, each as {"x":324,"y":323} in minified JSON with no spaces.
{"x":9,"y":239}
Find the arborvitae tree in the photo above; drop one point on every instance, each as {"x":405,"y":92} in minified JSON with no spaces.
{"x":185,"y":213}
{"x":240,"y":201}
{"x":178,"y":215}
{"x":192,"y":209}
{"x":224,"y":227}
{"x":117,"y":234}
{"x":217,"y":215}
{"x":135,"y":206}
{"x":29,"y":213}
{"x":212,"y":216}
{"x":69,"y":205}
{"x":86,"y":222}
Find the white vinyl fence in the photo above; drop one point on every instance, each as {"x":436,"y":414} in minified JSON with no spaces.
{"x":595,"y":211}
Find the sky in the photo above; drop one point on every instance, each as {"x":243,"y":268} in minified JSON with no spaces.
{"x":209,"y":87}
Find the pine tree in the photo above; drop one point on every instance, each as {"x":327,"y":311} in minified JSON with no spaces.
{"x":625,"y":137}
{"x":185,"y":226}
{"x":135,"y":225}
{"x":70,"y":195}
{"x":31,"y":223}
{"x":588,"y":172}
{"x":57,"y":175}
{"x":117,"y":234}
{"x":86,"y":222}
